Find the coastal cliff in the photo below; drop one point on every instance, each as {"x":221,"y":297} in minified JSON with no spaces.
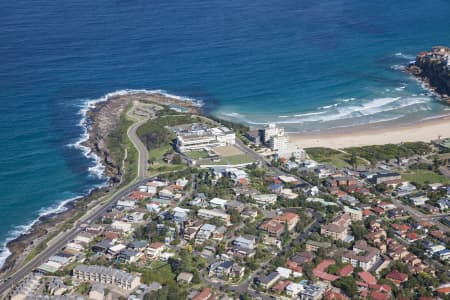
{"x":106,"y":128}
{"x":433,"y":69}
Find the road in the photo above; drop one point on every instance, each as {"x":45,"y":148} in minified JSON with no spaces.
{"x":142,"y":149}
{"x":57,"y":243}
{"x":419,"y":216}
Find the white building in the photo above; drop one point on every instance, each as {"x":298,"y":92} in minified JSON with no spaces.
{"x":122,"y":226}
{"x":275,"y":137}
{"x":214,"y":213}
{"x":218,"y":203}
{"x":265,"y":199}
{"x":106,"y":275}
{"x":206,"y":138}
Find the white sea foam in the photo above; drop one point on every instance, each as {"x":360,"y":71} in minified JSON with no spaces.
{"x":405,"y":56}
{"x":97,"y":170}
{"x":398,"y":67}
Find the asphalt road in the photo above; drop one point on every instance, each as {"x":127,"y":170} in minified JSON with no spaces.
{"x":58,"y":242}
{"x":142,"y":149}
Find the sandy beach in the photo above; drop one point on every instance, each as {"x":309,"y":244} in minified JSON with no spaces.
{"x":363,"y":136}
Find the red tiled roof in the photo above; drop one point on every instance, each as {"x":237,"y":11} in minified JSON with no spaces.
{"x":438,"y":234}
{"x":397,"y":276}
{"x":367,"y":277}
{"x":346,"y":270}
{"x":412,"y":236}
{"x":205,"y":294}
{"x":376,"y":295}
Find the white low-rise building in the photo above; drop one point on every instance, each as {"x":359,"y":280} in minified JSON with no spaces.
{"x":122,"y":226}
{"x":109,"y":276}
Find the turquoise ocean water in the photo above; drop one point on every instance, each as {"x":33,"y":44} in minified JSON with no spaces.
{"x":310,"y":65}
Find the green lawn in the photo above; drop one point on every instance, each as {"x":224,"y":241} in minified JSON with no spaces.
{"x":157,"y":154}
{"x":425,"y":176}
{"x":229,"y":160}
{"x":195,"y":155}
{"x":331,"y":156}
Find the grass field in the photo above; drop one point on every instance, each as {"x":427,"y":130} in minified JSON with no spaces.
{"x":331,"y":156}
{"x":195,"y":155}
{"x":229,"y":160}
{"x":425,"y":176}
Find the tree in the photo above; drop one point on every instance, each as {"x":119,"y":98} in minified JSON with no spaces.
{"x":358,"y":229}
{"x":347,"y":284}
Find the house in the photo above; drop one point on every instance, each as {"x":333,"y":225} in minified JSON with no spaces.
{"x":237,"y":205}
{"x":265,"y":199}
{"x":205,"y":294}
{"x":115,"y":249}
{"x":204,"y":233}
{"x":293,"y":289}
{"x":219,"y":233}
{"x":214,"y":213}
{"x":444,"y":204}
{"x":418,"y":200}
{"x":245,"y":242}
{"x":312,"y":292}
{"x":122,"y":226}
{"x":397,"y":277}
{"x":155,"y":250}
{"x":56,"y":287}
{"x":221,"y":269}
{"x":138,"y":245}
{"x":218,"y":203}
{"x":269,"y":280}
{"x":272,"y":227}
{"x":314,"y":246}
{"x":345,"y":270}
{"x":126,"y":204}
{"x":237,"y":271}
{"x":185,"y":277}
{"x":290,"y":165}
{"x":129,"y":256}
{"x":367,"y":278}
{"x":276,"y":188}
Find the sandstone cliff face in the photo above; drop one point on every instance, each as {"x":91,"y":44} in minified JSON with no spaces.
{"x":434,"y":73}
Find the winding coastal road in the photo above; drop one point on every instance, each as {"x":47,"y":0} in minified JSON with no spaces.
{"x":139,"y":145}
{"x":58,"y":242}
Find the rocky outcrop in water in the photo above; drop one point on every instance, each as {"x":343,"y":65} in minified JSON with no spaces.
{"x":433,"y":69}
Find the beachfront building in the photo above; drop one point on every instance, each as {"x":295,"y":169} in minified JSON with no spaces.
{"x":199,"y":137}
{"x":275,"y":137}
{"x":104,"y":275}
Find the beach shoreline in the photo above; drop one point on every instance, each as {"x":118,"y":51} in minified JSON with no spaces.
{"x":367,"y":135}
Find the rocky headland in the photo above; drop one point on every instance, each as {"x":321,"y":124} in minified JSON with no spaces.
{"x":102,"y":118}
{"x":433,"y":69}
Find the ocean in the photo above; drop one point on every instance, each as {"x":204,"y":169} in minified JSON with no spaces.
{"x":310,"y":65}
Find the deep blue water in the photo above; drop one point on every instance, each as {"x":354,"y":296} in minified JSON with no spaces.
{"x":309,"y":64}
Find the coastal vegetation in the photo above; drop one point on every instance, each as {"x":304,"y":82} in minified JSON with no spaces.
{"x":390,"y":151}
{"x":118,"y":144}
{"x":421,"y":176}
{"x":337,"y":158}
